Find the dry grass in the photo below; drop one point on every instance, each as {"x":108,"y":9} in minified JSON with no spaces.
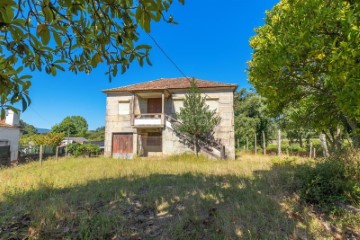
{"x":179,"y":197}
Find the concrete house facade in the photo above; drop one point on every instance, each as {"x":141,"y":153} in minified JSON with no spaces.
{"x":10,"y":134}
{"x":140,"y":118}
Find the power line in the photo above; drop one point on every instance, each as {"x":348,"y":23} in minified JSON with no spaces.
{"x":172,"y":61}
{"x":167,"y":56}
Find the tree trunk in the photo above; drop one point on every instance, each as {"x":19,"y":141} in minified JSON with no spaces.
{"x":195,"y":146}
{"x":301,"y":141}
{"x":355,"y":132}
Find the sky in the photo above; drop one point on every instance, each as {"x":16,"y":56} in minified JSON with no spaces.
{"x":211,"y":42}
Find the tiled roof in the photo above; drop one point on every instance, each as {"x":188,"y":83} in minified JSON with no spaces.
{"x":5,"y":125}
{"x":170,"y":83}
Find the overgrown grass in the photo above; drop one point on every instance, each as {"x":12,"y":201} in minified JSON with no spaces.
{"x":178,"y":197}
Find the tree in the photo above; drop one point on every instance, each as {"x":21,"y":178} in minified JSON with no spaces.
{"x":250,"y":117}
{"x":53,"y":35}
{"x":97,"y":135}
{"x":306,"y":57}
{"x":27,"y":129}
{"x":73,"y":125}
{"x":77,"y":149}
{"x":50,"y":139}
{"x":195,"y":117}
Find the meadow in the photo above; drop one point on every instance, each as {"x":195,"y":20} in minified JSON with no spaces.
{"x":177,"y":197}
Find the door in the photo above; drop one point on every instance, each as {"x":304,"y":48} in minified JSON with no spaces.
{"x":4,"y":155}
{"x":122,"y":145}
{"x":154,"y":105}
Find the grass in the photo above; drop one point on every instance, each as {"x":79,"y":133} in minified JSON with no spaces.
{"x":178,"y":197}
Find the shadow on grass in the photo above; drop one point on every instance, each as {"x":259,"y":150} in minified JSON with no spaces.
{"x":161,"y":206}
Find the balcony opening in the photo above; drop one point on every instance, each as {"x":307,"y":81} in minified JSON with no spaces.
{"x":148,"y":110}
{"x":150,"y":142}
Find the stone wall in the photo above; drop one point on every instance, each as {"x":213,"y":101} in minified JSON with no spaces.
{"x":116,"y":123}
{"x":222,"y":99}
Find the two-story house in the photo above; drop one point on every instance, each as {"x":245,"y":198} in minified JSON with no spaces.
{"x":140,"y":118}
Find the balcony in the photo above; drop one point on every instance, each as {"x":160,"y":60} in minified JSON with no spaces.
{"x":148,"y":120}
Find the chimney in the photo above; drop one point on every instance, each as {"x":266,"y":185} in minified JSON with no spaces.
{"x":12,"y":118}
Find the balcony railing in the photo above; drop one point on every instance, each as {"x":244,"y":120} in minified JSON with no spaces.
{"x":148,"y":120}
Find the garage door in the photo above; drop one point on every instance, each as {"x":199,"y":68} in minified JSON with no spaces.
{"x":122,"y":146}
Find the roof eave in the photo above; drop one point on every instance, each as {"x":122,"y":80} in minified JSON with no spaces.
{"x":233,"y":87}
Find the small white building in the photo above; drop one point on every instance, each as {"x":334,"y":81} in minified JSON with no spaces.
{"x":10,"y":133}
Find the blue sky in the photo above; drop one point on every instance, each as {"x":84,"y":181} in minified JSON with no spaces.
{"x":210,"y":42}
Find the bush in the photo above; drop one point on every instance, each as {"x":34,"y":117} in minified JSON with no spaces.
{"x":331,"y":181}
{"x":77,"y":149}
{"x":296,"y":148}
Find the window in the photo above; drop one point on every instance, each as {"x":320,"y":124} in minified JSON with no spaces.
{"x":124,"y":107}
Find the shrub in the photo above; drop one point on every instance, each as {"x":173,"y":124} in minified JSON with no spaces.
{"x":77,"y":149}
{"x":331,"y":181}
{"x":296,"y":148}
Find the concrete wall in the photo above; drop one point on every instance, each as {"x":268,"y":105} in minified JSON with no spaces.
{"x":11,"y":135}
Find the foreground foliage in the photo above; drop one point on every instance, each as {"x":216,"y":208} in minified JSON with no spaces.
{"x":76,"y":35}
{"x":86,"y":149}
{"x":332,"y":182}
{"x":306,"y":58}
{"x":180,"y":197}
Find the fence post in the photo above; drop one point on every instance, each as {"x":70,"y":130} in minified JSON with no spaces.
{"x":41,"y":153}
{"x":314,"y":152}
{"x":279,"y":142}
{"x":57,"y":152}
{"x":310,"y":151}
{"x":324,"y":145}
{"x":247,"y":144}
{"x":264,"y":142}
{"x":255,"y":145}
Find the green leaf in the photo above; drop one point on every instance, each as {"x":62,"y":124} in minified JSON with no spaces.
{"x":48,"y":14}
{"x":57,"y":38}
{"x":95,"y":60}
{"x":45,"y":36}
{"x":24,"y":104}
{"x":40,"y":28}
{"x":8,"y":14}
{"x":115,"y":70}
{"x":59,"y":67}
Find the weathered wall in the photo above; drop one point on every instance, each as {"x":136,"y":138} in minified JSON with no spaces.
{"x":115,"y":123}
{"x":222,"y":100}
{"x":11,"y":135}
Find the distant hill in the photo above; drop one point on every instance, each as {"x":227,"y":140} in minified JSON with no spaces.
{"x":42,"y":130}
